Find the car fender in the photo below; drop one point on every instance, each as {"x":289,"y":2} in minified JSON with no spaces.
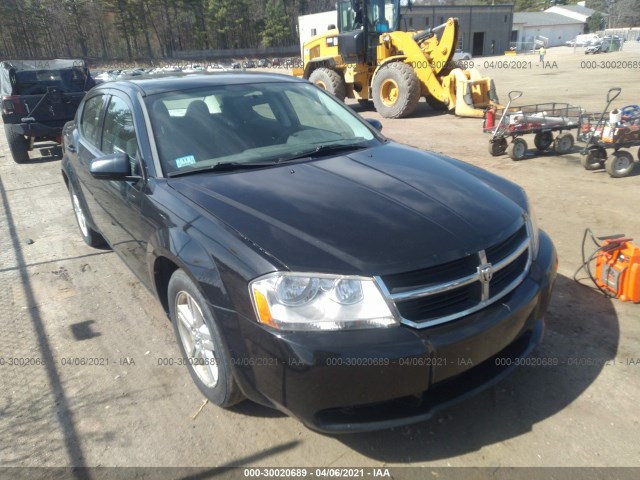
{"x":194,"y":258}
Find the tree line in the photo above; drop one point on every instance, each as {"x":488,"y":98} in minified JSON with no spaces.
{"x":157,"y":29}
{"x":135,"y":29}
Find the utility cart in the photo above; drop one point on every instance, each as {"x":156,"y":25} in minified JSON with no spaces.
{"x":615,"y":130}
{"x":541,"y":120}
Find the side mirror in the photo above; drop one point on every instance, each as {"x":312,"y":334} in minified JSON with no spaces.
{"x":116,"y":166}
{"x":375,"y":123}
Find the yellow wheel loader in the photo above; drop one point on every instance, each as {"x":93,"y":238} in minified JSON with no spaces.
{"x":367,"y":58}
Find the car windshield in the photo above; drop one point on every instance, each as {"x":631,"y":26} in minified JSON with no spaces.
{"x":251,"y":124}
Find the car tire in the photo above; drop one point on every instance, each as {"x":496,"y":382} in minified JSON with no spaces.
{"x":620,"y":164}
{"x":563,"y":143}
{"x":18,"y":145}
{"x":594,"y":159}
{"x":201,"y":343}
{"x":517,"y":149}
{"x":329,"y":80}
{"x":396,"y":90}
{"x":89,"y":235}
{"x":498,"y":146}
{"x":543,"y":140}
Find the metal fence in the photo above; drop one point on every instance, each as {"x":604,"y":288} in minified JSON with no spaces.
{"x":292,"y":50}
{"x":628,"y":34}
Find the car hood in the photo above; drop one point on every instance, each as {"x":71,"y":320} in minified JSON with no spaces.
{"x":378,"y":211}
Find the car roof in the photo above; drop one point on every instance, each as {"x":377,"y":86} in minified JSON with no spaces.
{"x":170,"y":82}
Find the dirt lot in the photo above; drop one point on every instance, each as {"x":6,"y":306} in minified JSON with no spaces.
{"x":65,"y":301}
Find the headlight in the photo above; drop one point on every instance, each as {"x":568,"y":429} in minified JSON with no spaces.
{"x":297,"y":301}
{"x":534,"y":231}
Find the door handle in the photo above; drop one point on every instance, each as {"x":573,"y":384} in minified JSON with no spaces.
{"x":71,"y":148}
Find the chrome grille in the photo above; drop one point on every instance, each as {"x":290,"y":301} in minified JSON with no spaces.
{"x":445,"y":292}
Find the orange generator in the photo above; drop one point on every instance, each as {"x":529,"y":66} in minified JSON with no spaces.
{"x":618,"y":268}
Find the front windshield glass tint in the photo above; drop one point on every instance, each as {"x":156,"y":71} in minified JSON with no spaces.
{"x":252,"y":123}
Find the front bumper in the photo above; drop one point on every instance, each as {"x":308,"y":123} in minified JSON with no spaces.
{"x":349,"y":381}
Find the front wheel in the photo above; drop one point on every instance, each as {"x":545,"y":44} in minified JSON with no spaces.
{"x":498,"y":146}
{"x":201,"y":343}
{"x":329,"y":80}
{"x":18,"y":145}
{"x":594,"y":159}
{"x":517,"y":149}
{"x":89,"y":235}
{"x":563,"y":143}
{"x":620,"y":164}
{"x":396,"y":90}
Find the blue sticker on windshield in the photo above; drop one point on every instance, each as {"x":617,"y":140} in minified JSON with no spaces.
{"x":185,"y":161}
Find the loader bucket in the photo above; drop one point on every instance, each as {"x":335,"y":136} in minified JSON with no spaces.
{"x":474,"y":93}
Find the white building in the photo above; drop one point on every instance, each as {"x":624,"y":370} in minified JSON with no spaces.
{"x":576,"y":12}
{"x":553,"y":28}
{"x":315,"y":24}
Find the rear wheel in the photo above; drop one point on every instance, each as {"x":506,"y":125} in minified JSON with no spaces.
{"x":620,"y":164}
{"x":517,"y":149}
{"x":329,"y":80}
{"x":543,"y":140}
{"x":89,"y":235}
{"x":18,"y":145}
{"x":498,"y":146}
{"x":594,"y":159}
{"x":563,"y":143}
{"x":396,"y":90}
{"x":201,"y":343}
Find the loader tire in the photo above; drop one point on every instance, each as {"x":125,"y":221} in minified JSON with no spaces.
{"x":18,"y":145}
{"x":329,"y":80}
{"x":396,"y":90}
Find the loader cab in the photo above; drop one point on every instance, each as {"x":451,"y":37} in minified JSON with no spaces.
{"x":360,"y":23}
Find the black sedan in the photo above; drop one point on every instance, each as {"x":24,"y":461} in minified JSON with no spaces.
{"x":307,"y":262}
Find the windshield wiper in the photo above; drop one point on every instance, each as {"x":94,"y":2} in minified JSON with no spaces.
{"x":222,"y":167}
{"x":330,"y":148}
